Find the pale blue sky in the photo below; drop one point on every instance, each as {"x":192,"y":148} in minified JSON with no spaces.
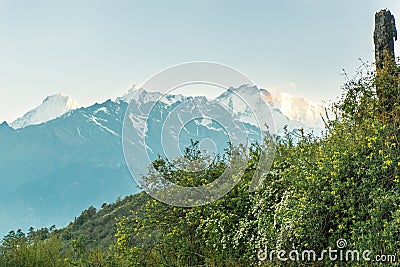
{"x":95,"y":50}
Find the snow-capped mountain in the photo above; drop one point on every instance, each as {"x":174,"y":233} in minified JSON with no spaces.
{"x":52,"y":107}
{"x":249,"y":104}
{"x":276,"y":110}
{"x":52,"y":171}
{"x":141,"y":96}
{"x":299,"y":109}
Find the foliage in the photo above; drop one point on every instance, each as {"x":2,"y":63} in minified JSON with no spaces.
{"x":343,"y":185}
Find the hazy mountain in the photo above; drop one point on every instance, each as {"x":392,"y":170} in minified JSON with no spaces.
{"x":299,"y":109}
{"x":52,"y":107}
{"x":53,"y":170}
{"x":50,"y":172}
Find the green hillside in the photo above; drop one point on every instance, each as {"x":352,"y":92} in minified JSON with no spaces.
{"x":98,"y":228}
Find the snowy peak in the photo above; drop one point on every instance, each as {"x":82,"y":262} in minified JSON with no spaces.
{"x":285,"y":110}
{"x":52,"y":107}
{"x":248,"y":92}
{"x":299,"y":109}
{"x":253,"y":105}
{"x":253,"y":90}
{"x":138,"y":94}
{"x":132,"y":94}
{"x":141,"y":96}
{"x":249,"y":103}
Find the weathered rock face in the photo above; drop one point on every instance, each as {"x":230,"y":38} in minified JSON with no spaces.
{"x":384,"y":36}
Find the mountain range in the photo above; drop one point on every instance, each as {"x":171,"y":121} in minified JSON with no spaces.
{"x":60,"y":158}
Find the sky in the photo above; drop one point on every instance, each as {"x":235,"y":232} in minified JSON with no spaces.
{"x":96,"y":50}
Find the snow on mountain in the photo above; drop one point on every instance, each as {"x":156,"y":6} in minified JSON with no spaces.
{"x":141,"y":96}
{"x":249,"y":104}
{"x":83,"y":150}
{"x":52,"y":107}
{"x":132,"y":94}
{"x":299,"y":109}
{"x":52,"y":171}
{"x":295,"y":112}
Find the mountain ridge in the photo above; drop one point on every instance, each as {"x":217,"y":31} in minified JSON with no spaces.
{"x":298,"y":109}
{"x":52,"y":107}
{"x":53,"y":170}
